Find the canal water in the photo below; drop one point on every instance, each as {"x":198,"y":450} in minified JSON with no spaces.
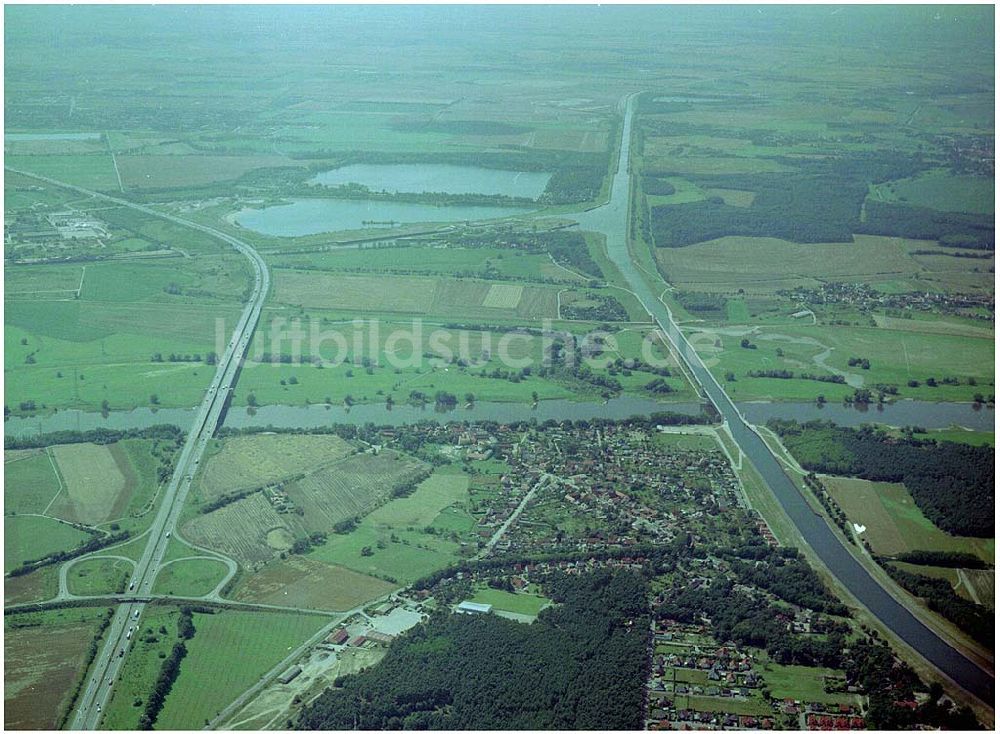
{"x":612,"y":221}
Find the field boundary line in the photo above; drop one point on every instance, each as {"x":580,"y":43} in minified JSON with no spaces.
{"x":58,"y":478}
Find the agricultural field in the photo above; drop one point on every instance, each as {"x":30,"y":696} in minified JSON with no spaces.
{"x":893,"y":522}
{"x":95,"y":486}
{"x":194,"y":577}
{"x":44,"y":657}
{"x":761,"y":266}
{"x":391,"y":542}
{"x":940,"y":189}
{"x":229,"y":652}
{"x":255,"y":529}
{"x":30,"y":482}
{"x":31,"y":537}
{"x":429,"y":259}
{"x":350,"y":488}
{"x":414,"y":295}
{"x":93,"y":577}
{"x":39,"y":585}
{"x":179,"y":171}
{"x":245,"y":462}
{"x":304,"y":583}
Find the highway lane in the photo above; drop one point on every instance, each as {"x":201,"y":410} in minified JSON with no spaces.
{"x":127,"y":619}
{"x":612,"y":220}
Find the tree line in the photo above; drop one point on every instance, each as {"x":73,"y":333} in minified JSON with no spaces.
{"x":952,"y":483}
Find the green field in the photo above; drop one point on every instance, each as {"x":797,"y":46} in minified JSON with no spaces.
{"x":894,"y":522}
{"x":29,"y":538}
{"x":230,"y":651}
{"x":394,"y":533}
{"x":942,"y":190}
{"x":686,"y":441}
{"x":195,"y":577}
{"x":99,"y":576}
{"x":805,"y":684}
{"x":30,"y":484}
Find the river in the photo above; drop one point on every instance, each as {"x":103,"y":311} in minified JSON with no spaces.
{"x":612,"y":221}
{"x":902,"y":413}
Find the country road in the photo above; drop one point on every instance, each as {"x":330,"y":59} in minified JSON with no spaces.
{"x":127,"y":618}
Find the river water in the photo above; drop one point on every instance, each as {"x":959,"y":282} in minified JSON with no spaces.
{"x":612,"y":221}
{"x":904,"y":413}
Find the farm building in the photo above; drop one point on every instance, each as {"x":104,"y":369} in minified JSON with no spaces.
{"x":380,"y":637}
{"x":472,"y":607}
{"x":338,"y":637}
{"x":289,"y":675}
{"x":357,"y":641}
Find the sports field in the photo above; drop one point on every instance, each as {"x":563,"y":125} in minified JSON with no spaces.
{"x":527,"y":604}
{"x":893,"y":522}
{"x":804,"y":683}
{"x":230,"y":651}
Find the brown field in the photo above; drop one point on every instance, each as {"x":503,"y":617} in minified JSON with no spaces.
{"x":41,"y":664}
{"x":350,"y":488}
{"x":36,"y":586}
{"x":307,"y":584}
{"x":165,"y":171}
{"x":980,"y":585}
{"x":255,"y":461}
{"x":98,"y":481}
{"x":894,"y":524}
{"x":240,"y":530}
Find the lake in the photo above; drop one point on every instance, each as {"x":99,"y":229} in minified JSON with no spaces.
{"x":314,"y":216}
{"x":418,"y":178}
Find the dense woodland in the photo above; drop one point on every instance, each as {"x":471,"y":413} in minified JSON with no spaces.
{"x":952,"y":483}
{"x":978,"y":621}
{"x":818,"y":201}
{"x":580,"y":666}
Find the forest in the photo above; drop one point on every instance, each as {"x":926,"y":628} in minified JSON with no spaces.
{"x":952,"y":483}
{"x":581,"y":665}
{"x":976,"y":620}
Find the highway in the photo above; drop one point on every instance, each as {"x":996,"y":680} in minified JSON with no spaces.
{"x":612,"y":219}
{"x":128,"y":618}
